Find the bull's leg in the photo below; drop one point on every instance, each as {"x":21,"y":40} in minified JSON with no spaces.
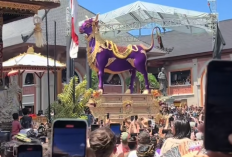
{"x":131,"y":87}
{"x":100,"y":79}
{"x":133,"y":74}
{"x":147,"y":90}
{"x":140,"y":65}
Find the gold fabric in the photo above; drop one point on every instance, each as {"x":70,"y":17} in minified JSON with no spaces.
{"x":122,"y":55}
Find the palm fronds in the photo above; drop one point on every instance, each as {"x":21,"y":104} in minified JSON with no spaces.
{"x":65,"y":107}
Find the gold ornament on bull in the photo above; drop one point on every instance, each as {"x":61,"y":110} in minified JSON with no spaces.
{"x":127,"y":106}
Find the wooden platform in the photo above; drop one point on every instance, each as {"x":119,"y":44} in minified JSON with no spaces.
{"x":114,"y":104}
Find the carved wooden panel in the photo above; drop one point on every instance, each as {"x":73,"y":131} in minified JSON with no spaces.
{"x":142,"y":105}
{"x":28,"y":90}
{"x":113,"y":110}
{"x":112,"y":89}
{"x":137,"y":104}
{"x":111,"y":105}
{"x":141,"y":110}
{"x":110,"y":99}
{"x":176,"y":90}
{"x":126,"y":98}
{"x":139,"y":98}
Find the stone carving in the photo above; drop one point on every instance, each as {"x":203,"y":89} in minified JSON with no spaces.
{"x":163,"y":82}
{"x":9,"y":103}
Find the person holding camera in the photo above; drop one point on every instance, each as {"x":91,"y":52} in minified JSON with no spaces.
{"x":181,"y":131}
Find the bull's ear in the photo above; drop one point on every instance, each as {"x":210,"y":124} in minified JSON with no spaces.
{"x":96,"y":19}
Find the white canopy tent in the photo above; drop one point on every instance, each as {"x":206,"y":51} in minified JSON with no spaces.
{"x":143,"y":15}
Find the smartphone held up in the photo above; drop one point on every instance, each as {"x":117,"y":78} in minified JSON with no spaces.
{"x":30,"y":151}
{"x":69,"y":137}
{"x":116,"y":128}
{"x":218,"y":103}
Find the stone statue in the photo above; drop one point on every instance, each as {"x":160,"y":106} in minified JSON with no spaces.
{"x":9,"y":103}
{"x":163,"y":82}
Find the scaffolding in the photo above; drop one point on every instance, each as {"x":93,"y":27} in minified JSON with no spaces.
{"x":151,"y":23}
{"x":213,"y":11}
{"x":118,"y":23}
{"x":213,"y":6}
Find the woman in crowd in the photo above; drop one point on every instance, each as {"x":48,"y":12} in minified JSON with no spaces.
{"x":103,"y":142}
{"x":181,"y":131}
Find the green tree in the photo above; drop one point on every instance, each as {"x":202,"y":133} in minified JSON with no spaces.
{"x":65,"y":107}
{"x":152,"y":80}
{"x":94,"y":80}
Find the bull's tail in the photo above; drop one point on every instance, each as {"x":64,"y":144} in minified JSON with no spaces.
{"x":152,"y":39}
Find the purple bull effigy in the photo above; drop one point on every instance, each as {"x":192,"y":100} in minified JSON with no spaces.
{"x":106,"y":56}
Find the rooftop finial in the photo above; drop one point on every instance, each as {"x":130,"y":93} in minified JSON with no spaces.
{"x":30,"y":49}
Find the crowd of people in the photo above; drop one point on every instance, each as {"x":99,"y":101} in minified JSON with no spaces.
{"x":143,"y":138}
{"x":140,"y":136}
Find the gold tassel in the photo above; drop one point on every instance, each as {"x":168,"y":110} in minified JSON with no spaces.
{"x":39,"y":42}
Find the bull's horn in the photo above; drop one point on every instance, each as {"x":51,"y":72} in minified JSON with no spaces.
{"x":96,"y":19}
{"x":86,"y":17}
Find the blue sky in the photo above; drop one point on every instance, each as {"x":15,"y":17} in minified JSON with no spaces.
{"x":103,"y":6}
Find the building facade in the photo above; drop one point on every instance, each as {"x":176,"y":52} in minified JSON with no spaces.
{"x":186,"y":78}
{"x":184,"y":66}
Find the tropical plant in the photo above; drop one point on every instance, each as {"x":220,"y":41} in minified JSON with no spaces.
{"x":65,"y":107}
{"x":151,"y":78}
{"x":94,"y":80}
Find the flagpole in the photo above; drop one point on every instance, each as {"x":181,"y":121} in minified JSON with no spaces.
{"x":68,"y":42}
{"x":55,"y":74}
{"x":73,"y":68}
{"x":73,"y":49}
{"x":48,"y":76}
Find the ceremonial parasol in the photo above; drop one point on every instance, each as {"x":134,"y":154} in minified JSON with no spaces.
{"x":12,"y":73}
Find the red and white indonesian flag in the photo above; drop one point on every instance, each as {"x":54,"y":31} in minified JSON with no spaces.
{"x":74,"y":47}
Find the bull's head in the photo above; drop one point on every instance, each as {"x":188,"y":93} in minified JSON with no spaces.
{"x":89,"y":26}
